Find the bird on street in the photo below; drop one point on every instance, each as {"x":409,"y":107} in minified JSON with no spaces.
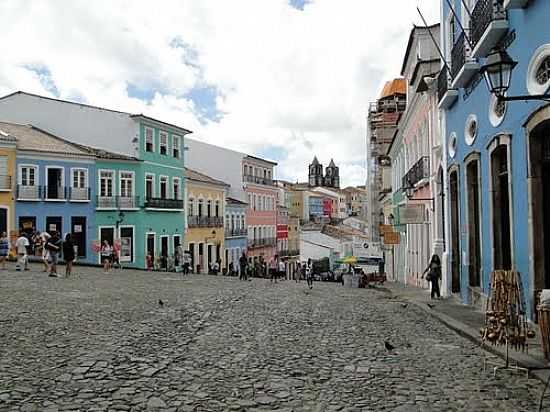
{"x":389,"y":347}
{"x":431,"y":305}
{"x":404,"y":305}
{"x":161,"y":303}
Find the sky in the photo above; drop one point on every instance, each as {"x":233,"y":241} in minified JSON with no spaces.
{"x":281,"y":79}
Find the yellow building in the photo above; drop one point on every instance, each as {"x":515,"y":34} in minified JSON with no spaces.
{"x":298,"y":204}
{"x":205,"y":208}
{"x":7,"y":182}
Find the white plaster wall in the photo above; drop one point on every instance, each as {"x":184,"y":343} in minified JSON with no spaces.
{"x":312,"y":251}
{"x":94,"y":127}
{"x":219,"y":163}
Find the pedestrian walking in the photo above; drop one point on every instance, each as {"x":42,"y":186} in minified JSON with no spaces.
{"x":433,"y":275}
{"x":44,"y":252}
{"x":54,"y":247}
{"x":21,"y":247}
{"x":68,"y":254}
{"x":309,"y":274}
{"x":282,"y":269}
{"x":243,"y":263}
{"x":4,"y":250}
{"x":186,"y":263}
{"x":106,"y":256}
{"x":298,"y":272}
{"x":273,"y":268}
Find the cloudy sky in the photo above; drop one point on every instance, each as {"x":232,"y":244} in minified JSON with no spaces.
{"x":283,"y":79}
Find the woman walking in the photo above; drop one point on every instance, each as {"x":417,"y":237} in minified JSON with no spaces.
{"x":433,"y":275}
{"x":106,"y":256}
{"x":68,"y":254}
{"x":309,"y":274}
{"x":4,"y":249}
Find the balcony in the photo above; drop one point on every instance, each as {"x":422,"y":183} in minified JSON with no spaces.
{"x":446,"y":96}
{"x":117,"y":202}
{"x":236,"y":232}
{"x":258,"y":180}
{"x":257,"y":243}
{"x":29,"y":192}
{"x":5,"y":183}
{"x":417,"y":173}
{"x":204,"y":221}
{"x":488,"y":24}
{"x":515,"y":4}
{"x":164,"y":204}
{"x":463,"y":67}
{"x":79,"y":194}
{"x":55,"y":193}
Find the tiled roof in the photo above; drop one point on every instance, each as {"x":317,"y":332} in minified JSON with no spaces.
{"x":200,"y":177}
{"x":393,"y":87}
{"x":32,"y":138}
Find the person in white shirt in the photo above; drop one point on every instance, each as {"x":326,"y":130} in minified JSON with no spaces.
{"x":21,"y":245}
{"x":45,"y":236}
{"x":282,"y":269}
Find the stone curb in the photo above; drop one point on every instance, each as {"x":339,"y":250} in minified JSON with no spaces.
{"x":537,"y":369}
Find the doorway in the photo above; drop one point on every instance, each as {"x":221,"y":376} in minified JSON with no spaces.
{"x":192,"y":256}
{"x":502,"y":247}
{"x":455,"y":232}
{"x":164,"y":246}
{"x":107,"y":234}
{"x":27,"y":224}
{"x":127,"y":244}
{"x":539,"y":176}
{"x":54,"y":181}
{"x":200,"y":263}
{"x":54,"y":224}
{"x":78,"y":234}
{"x":474,"y":238}
{"x":4,"y":220}
{"x":150,"y":245}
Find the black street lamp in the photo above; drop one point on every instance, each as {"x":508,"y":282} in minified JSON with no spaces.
{"x":409,"y":192}
{"x":498,"y":74}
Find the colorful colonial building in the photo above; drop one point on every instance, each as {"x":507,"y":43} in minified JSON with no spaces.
{"x":7,"y":182}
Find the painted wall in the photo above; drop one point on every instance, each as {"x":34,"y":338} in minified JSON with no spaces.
{"x":531,"y":32}
{"x":7,"y":196}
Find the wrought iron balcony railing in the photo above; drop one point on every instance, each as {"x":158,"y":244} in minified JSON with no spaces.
{"x":29,"y":192}
{"x":258,"y":180}
{"x":5,"y":182}
{"x":458,"y":55}
{"x":419,"y":171}
{"x":254,"y":243}
{"x":204,"y":221}
{"x":483,"y":14}
{"x":161,"y":203}
{"x":117,"y":202}
{"x":55,"y":192}
{"x":79,"y":194}
{"x":236,"y":232}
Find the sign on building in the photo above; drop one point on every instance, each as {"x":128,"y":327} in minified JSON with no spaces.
{"x":411,"y":214}
{"x":361,"y":249}
{"x":385,"y":229}
{"x":392,"y":238}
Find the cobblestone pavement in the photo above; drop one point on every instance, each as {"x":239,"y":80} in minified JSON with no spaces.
{"x":103,"y":342}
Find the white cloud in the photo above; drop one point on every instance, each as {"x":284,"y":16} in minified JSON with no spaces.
{"x":289,"y":78}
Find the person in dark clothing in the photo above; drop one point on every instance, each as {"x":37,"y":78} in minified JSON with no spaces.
{"x":243,"y":263}
{"x":68,"y":254}
{"x":433,"y":275}
{"x":54,"y":247}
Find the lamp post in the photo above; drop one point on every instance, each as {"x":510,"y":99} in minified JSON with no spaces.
{"x":498,"y":75}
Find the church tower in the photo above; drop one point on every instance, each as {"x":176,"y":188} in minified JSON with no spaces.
{"x":315,"y":173}
{"x":332,"y":177}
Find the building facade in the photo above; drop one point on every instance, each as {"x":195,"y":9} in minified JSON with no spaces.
{"x":205,"y":236}
{"x":261,"y":214}
{"x":7,"y":183}
{"x":158,"y":145}
{"x":497,"y":152}
{"x":236,"y":232}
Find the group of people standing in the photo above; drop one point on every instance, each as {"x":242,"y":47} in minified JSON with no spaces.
{"x":48,"y":246}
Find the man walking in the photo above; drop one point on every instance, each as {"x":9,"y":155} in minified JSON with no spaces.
{"x":21,"y":246}
{"x":243,"y":261}
{"x":273,"y":268}
{"x":54,"y":246}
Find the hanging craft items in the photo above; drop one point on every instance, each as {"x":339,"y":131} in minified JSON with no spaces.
{"x":505,"y":320}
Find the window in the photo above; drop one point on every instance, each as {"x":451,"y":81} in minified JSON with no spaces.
{"x":209,"y":208}
{"x":227,"y":226}
{"x":242,"y":222}
{"x":163,"y":187}
{"x":190,"y":207}
{"x":542,"y":74}
{"x":79,"y":179}
{"x":254,"y":202}
{"x":163,"y":137}
{"x":126,"y":184}
{"x":176,"y":143}
{"x":28,"y":175}
{"x":149,"y":140}
{"x":149,"y":186}
{"x":200,"y":208}
{"x":106,"y":178}
{"x":264,"y":202}
{"x":245,"y":170}
{"x":217,"y":208}
{"x":233,"y":227}
{"x":249,"y":201}
{"x":176,"y":188}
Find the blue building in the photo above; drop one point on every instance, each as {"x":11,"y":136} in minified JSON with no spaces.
{"x":315,"y":206}
{"x":55,"y":183}
{"x":236,"y":232}
{"x":498,"y":153}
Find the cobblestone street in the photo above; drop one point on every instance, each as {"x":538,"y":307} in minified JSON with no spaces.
{"x":103,"y":342}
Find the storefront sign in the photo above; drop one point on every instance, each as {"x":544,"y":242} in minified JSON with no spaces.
{"x":27,"y":225}
{"x":411,"y":214}
{"x":392,"y":238}
{"x":77,"y":228}
{"x":52,"y":227}
{"x":385,"y":228}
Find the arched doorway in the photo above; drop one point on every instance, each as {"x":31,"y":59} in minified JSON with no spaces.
{"x":454,"y":200}
{"x":472,"y":167}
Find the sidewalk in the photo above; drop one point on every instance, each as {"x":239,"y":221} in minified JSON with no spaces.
{"x":467,"y":322}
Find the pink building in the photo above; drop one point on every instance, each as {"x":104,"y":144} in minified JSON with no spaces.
{"x":261,"y":214}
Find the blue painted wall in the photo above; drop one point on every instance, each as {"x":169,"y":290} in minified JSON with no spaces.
{"x":65,"y":209}
{"x":532,"y":30}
